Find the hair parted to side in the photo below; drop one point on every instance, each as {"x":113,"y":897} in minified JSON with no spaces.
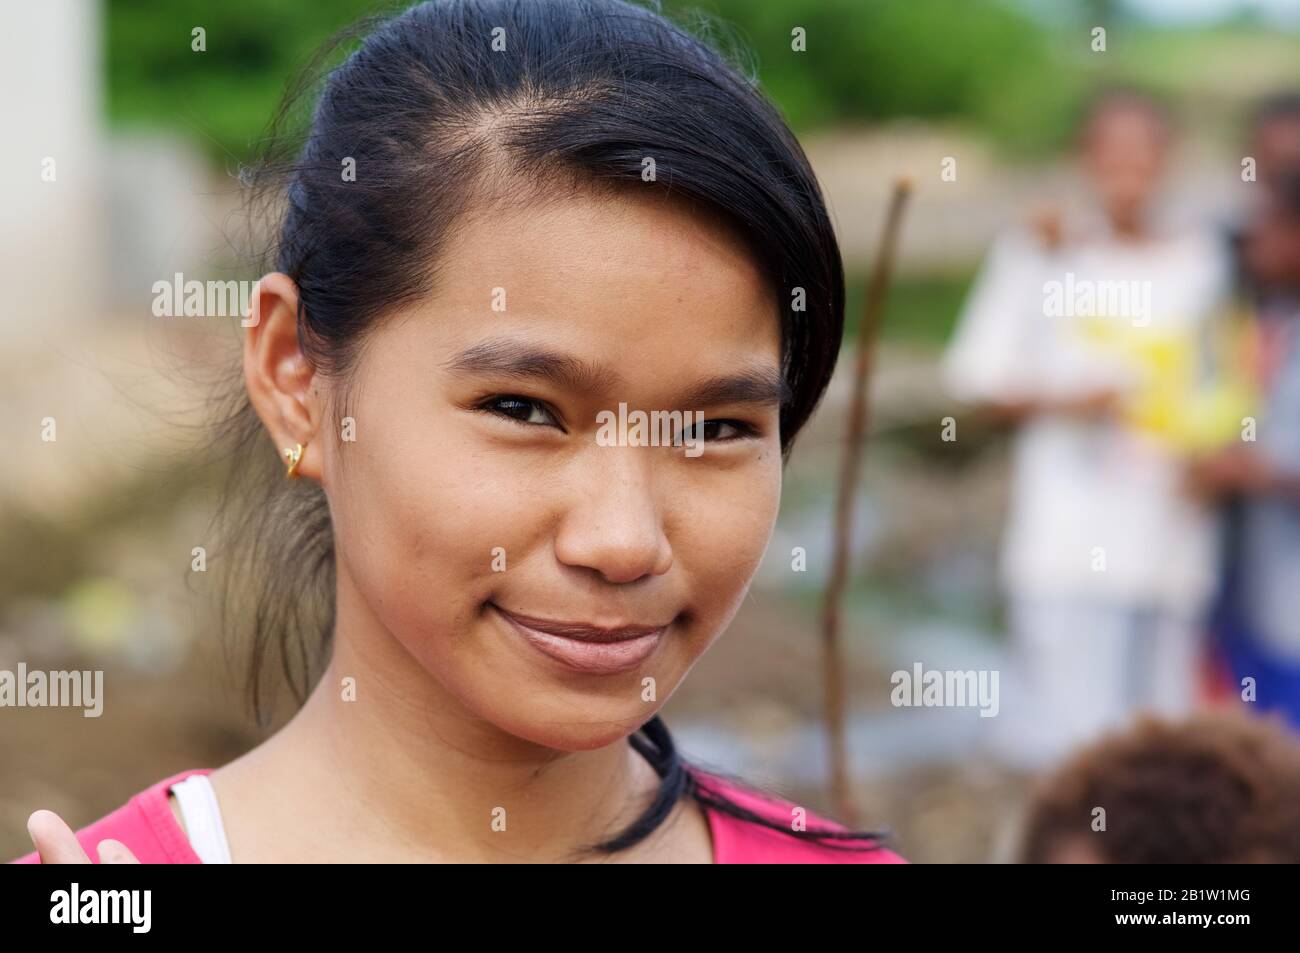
{"x":441,"y":125}
{"x":1219,"y":787}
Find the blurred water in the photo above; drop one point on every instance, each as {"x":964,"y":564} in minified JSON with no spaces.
{"x":883,"y":741}
{"x":811,"y":529}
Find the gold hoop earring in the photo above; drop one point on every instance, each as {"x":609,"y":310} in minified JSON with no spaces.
{"x":292,"y":456}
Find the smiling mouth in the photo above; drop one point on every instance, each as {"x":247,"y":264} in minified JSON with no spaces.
{"x":583,"y":647}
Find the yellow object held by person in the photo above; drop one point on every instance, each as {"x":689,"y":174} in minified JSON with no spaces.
{"x":1190,"y":393}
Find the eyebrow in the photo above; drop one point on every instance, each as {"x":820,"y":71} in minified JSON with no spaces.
{"x":753,"y":385}
{"x":759,"y":385}
{"x":519,"y":359}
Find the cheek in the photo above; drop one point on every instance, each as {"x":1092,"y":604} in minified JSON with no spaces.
{"x":418,"y":527}
{"x":722,"y":535}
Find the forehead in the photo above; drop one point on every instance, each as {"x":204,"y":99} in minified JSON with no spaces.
{"x":635,"y":280}
{"x":612,"y":240}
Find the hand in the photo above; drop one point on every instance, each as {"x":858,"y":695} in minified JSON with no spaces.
{"x":1097,"y":405}
{"x":1231,"y":470}
{"x":1047,"y":223}
{"x":57,"y":844}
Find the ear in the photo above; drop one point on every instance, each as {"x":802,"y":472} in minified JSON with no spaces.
{"x":281,"y":383}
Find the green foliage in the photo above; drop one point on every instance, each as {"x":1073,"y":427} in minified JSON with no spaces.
{"x":223,"y":97}
{"x":987,"y":64}
{"x":978,"y":60}
{"x":920,"y":309}
{"x":866,"y":60}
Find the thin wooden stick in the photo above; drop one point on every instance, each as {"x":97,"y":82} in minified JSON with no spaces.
{"x":859,"y":417}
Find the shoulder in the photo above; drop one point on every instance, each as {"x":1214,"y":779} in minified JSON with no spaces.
{"x":736,"y":841}
{"x":145,"y":824}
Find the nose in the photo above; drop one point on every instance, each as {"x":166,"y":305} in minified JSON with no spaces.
{"x":616,"y":528}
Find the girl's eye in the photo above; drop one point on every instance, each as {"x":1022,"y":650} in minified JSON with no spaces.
{"x":525,"y":410}
{"x":713,"y":431}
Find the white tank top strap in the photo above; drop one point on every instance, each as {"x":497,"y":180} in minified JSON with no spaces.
{"x":202,"y":815}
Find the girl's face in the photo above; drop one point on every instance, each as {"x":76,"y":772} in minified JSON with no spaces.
{"x":482,"y":517}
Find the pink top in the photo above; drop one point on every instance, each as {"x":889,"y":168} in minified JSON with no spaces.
{"x":146,"y":825}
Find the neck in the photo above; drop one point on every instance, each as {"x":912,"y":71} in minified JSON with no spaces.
{"x":406,"y":771}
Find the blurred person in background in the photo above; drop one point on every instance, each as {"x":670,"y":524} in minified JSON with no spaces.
{"x":1220,"y":787}
{"x":1257,"y":614}
{"x":1107,"y":563}
{"x":1275,"y":142}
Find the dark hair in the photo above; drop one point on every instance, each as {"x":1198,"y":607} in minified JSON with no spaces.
{"x":1217,"y":788}
{"x":1281,"y":106}
{"x":437,"y":122}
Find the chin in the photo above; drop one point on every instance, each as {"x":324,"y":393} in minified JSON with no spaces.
{"x":561,"y":733}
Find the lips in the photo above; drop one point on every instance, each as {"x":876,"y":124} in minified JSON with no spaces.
{"x":583,"y":632}
{"x":587,"y":648}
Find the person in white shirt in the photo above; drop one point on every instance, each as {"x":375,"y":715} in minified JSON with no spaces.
{"x":1107,"y":563}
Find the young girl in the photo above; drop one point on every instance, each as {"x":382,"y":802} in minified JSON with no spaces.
{"x":509,"y":224}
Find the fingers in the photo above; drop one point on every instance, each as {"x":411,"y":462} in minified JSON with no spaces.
{"x":115,"y":852}
{"x":54,"y":839}
{"x":57,"y":844}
